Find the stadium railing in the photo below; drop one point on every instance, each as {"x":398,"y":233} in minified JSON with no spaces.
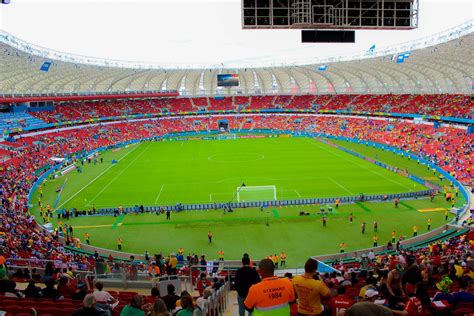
{"x":440,"y":233}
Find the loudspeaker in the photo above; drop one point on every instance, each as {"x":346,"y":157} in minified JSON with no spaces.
{"x":317,"y":36}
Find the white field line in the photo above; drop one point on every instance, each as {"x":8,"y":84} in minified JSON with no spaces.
{"x":341,"y":186}
{"x":89,"y":203}
{"x":299,"y":195}
{"x":360,"y":165}
{"x":159,"y":193}
{"x":93,"y":180}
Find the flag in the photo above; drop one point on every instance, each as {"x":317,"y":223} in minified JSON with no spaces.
{"x":393,"y":57}
{"x":406,"y":54}
{"x":46,"y":65}
{"x":371,"y":50}
{"x":323,"y":67}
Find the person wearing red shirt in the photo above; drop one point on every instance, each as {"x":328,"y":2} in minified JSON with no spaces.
{"x":413,"y":306}
{"x":341,"y":301}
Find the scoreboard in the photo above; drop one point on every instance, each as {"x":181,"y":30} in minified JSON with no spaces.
{"x":329,"y":14}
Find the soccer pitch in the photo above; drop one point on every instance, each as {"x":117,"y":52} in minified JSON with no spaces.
{"x":204,"y":171}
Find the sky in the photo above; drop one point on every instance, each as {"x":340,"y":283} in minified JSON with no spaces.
{"x":191,"y":31}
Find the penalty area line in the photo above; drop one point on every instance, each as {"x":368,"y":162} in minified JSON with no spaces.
{"x":93,"y":180}
{"x":159,"y":193}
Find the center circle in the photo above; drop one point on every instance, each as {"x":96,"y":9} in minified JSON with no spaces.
{"x":236,"y":157}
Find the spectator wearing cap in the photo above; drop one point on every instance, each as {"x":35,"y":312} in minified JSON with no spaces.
{"x":370,"y":283}
{"x":443,"y":287}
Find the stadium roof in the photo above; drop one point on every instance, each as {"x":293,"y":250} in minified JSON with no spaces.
{"x":439,"y":64}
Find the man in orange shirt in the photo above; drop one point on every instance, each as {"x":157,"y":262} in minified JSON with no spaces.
{"x":272,"y":296}
{"x":309,"y":291}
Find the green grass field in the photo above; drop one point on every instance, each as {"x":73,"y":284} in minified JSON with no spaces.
{"x":199,"y":171}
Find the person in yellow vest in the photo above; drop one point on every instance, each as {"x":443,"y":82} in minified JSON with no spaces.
{"x":394,"y":236}
{"x":429,"y":223}
{"x":220,"y":253}
{"x":119,"y":243}
{"x":453,"y":202}
{"x":446,"y":214}
{"x":376,"y":240}
{"x":283,"y":259}
{"x":181,"y":251}
{"x":337,"y":203}
{"x":275,"y":260}
{"x":88,"y":238}
{"x":415,"y":231}
{"x":342,"y":247}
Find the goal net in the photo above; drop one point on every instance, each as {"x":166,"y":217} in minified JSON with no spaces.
{"x":256,"y":193}
{"x":226,"y":136}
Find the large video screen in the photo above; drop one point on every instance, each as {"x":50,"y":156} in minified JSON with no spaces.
{"x":228,"y":80}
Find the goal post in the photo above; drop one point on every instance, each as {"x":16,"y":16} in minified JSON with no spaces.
{"x":256,"y":193}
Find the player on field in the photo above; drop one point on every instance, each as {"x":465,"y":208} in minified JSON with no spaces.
{"x":396,"y":202}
